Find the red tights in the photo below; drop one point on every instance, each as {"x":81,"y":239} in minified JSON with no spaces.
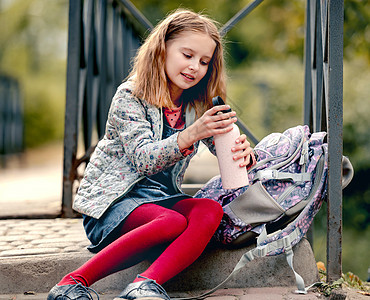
{"x":187,"y":227}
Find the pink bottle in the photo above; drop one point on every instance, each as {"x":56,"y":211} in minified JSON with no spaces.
{"x":232,"y":176}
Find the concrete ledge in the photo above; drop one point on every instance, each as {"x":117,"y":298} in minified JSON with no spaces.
{"x":39,"y":273}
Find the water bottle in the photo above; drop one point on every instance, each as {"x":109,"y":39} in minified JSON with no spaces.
{"x":232,"y":175}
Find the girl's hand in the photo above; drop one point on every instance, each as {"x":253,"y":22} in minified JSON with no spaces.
{"x":209,"y":124}
{"x":245,"y":149}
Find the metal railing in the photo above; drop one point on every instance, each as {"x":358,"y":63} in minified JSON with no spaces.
{"x":323,"y":108}
{"x":11,"y":119}
{"x":103,"y":37}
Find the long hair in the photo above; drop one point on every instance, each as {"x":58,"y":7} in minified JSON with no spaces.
{"x":151,"y":82}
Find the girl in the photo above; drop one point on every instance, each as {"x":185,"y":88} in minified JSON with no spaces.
{"x":130,"y":195}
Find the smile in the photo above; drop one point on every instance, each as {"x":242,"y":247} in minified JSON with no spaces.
{"x":187,"y":76}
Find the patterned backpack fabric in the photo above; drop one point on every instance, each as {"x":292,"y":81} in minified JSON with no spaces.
{"x":287,"y":183}
{"x":287,"y":187}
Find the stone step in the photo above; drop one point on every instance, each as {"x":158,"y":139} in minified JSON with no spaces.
{"x":39,"y":272}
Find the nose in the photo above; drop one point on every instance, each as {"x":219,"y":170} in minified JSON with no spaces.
{"x":194,"y":66}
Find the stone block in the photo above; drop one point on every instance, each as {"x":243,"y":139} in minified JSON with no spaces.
{"x":40,"y":273}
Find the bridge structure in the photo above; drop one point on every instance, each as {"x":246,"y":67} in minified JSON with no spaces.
{"x":11,"y":119}
{"x":104,"y":35}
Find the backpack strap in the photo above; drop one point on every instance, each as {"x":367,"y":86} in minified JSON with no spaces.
{"x":275,"y":174}
{"x":270,"y":247}
{"x":262,"y":251}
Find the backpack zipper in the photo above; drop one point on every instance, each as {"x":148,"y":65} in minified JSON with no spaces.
{"x":286,"y":193}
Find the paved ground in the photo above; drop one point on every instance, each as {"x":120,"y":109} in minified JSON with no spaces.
{"x":31,"y":185}
{"x":35,"y":237}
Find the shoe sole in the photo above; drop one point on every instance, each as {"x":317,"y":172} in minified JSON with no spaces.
{"x":149,"y":298}
{"x":142,"y":298}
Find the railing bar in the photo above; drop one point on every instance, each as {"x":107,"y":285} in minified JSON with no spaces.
{"x":238,"y":16}
{"x":137,"y":14}
{"x":335,"y":142}
{"x":87,"y":24}
{"x":109,"y":45}
{"x":319,"y":69}
{"x":121,"y":50}
{"x":20,"y":117}
{"x":314,"y":99}
{"x":102,"y":112}
{"x":307,"y":67}
{"x":226,"y":28}
{"x":307,"y":109}
{"x":117,"y":51}
{"x":127,"y":46}
{"x":72,"y":93}
{"x":247,"y":132}
{"x":90,"y":102}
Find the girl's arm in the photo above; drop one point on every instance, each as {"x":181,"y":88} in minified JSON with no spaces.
{"x":211,"y":124}
{"x":128,"y":122}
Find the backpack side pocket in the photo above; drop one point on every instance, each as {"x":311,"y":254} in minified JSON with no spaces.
{"x":255,"y":205}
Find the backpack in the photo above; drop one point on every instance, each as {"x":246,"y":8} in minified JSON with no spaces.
{"x":287,"y":187}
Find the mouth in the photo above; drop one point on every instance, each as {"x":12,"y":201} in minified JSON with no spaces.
{"x":188,"y":77}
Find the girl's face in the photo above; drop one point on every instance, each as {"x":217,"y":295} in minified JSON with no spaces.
{"x":187,"y":60}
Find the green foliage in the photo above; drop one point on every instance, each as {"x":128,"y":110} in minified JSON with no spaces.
{"x":327,"y":288}
{"x":348,"y":279}
{"x":33,"y":35}
{"x":273,"y":30}
{"x":356,"y":29}
{"x":265,"y":91}
{"x":354,"y":281}
{"x":44,"y":108}
{"x":355,"y":244}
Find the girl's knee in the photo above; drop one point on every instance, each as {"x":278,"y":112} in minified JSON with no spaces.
{"x":173,"y":223}
{"x":213,"y":208}
{"x":209,"y":214}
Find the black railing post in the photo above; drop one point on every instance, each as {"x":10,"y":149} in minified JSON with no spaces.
{"x":71,"y":125}
{"x":11,"y":119}
{"x":102,"y":38}
{"x":323,"y":109}
{"x":335,"y":137}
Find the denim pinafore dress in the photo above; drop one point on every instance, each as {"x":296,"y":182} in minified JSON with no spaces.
{"x":159,"y":188}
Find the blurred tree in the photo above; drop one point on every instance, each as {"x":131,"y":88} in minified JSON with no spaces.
{"x":274,"y":30}
{"x":357,"y":29}
{"x":33,"y":35}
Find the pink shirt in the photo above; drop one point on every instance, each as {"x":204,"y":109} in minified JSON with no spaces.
{"x":176,"y":120}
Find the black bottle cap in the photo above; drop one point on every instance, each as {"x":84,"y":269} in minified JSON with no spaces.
{"x":219,"y":101}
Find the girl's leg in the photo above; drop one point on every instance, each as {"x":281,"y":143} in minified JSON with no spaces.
{"x":147,"y":226}
{"x":203,"y":216}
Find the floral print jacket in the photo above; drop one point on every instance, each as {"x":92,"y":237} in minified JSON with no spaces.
{"x":131,"y":149}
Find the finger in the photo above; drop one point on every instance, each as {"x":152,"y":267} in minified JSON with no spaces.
{"x":221,"y":130}
{"x":246,"y":161}
{"x":218,"y":108}
{"x":224,"y":123}
{"x":242,"y":154}
{"x":224,"y":116}
{"x":241,"y":139}
{"x":241,"y":146}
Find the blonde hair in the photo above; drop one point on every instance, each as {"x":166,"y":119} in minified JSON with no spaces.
{"x":148,"y":71}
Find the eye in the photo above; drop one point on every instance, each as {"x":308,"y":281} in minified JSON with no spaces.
{"x":187,"y":55}
{"x":204,"y":63}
